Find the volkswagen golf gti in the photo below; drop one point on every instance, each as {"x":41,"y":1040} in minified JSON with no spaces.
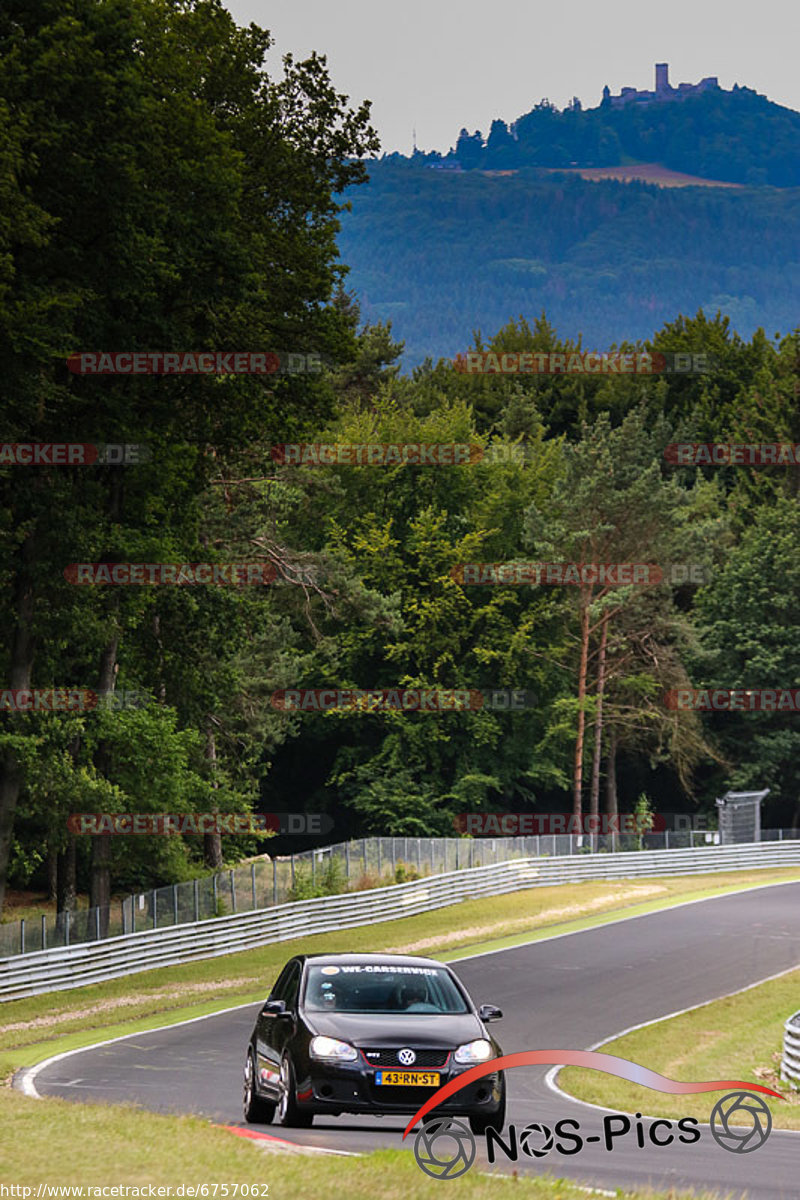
{"x":371,"y":1034}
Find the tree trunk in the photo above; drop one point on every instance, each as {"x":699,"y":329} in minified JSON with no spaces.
{"x":612,"y":803}
{"x":52,"y":875}
{"x":577,"y":791}
{"x":20,"y":670}
{"x":212,"y":842}
{"x":65,"y":895}
{"x":101,"y":884}
{"x":100,"y":894}
{"x":594,"y":795}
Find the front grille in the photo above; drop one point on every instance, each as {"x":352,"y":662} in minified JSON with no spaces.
{"x":426,"y":1059}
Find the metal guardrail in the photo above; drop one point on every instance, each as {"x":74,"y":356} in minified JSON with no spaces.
{"x":95,"y":962}
{"x":367,"y":862}
{"x":790,"y":1062}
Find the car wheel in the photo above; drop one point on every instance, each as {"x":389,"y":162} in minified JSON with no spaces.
{"x":480,"y":1123}
{"x":289,"y":1112}
{"x":256,"y":1110}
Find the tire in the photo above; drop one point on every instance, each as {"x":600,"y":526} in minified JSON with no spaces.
{"x":289,"y":1112}
{"x":256,"y":1110}
{"x":479,"y":1123}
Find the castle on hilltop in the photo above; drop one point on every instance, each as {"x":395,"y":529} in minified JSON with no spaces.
{"x":663,"y":90}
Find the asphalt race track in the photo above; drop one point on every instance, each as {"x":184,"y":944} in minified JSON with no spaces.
{"x":569,"y":992}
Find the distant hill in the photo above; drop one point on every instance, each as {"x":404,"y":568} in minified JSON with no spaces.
{"x":442,"y":253}
{"x":735,"y":136}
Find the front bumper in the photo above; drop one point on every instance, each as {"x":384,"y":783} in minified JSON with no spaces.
{"x":352,"y":1088}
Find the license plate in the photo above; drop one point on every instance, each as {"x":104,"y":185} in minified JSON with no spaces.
{"x":407,"y":1078}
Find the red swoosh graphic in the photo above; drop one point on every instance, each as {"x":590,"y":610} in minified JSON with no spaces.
{"x":609,"y":1063}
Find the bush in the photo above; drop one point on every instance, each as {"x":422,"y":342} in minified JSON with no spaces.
{"x":405,"y":873}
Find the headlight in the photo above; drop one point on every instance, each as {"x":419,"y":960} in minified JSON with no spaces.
{"x":333,"y":1049}
{"x":474,"y":1052}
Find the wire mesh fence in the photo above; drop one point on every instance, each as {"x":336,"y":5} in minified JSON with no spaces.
{"x":346,"y":866}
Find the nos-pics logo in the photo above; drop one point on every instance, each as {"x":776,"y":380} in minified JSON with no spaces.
{"x":445,"y":1147}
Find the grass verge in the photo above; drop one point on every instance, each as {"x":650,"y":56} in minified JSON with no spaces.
{"x":739,"y":1037}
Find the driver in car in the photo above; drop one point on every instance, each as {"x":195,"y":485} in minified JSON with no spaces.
{"x":414,"y":998}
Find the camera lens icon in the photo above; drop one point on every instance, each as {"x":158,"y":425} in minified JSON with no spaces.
{"x":536,"y":1140}
{"x":444,"y":1148}
{"x":740,"y":1122}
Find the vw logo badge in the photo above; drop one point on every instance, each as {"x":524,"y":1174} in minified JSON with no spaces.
{"x":406,"y":1057}
{"x":454,"y":1154}
{"x":749,"y":1113}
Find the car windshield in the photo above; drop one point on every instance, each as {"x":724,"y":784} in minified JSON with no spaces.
{"x":379,"y":988}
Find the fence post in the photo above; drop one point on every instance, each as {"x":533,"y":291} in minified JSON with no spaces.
{"x":313,"y":868}
{"x":347,"y":858}
{"x":233,"y":891}
{"x":97,"y":923}
{"x":380,"y":859}
{"x":666,"y":839}
{"x":22,"y":936}
{"x":292,"y":871}
{"x":471,"y":851}
{"x":364,"y":847}
{"x":155,"y":913}
{"x":394,"y":857}
{"x":253,"y":884}
{"x":196,"y":900}
{"x":780,"y":835}
{"x":175,"y":903}
{"x":216,"y":895}
{"x":66,"y":928}
{"x":44,"y":932}
{"x":274,"y":881}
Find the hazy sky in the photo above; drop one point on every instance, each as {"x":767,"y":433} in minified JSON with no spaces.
{"x":439,"y":64}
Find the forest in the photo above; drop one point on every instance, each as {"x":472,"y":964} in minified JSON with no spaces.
{"x":201,"y":214}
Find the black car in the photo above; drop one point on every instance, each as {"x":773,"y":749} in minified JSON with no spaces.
{"x":369,"y":1033}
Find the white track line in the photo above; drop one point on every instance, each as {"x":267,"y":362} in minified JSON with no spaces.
{"x":553,"y":1073}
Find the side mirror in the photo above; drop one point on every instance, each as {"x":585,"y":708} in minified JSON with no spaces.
{"x":274,"y":1008}
{"x":489,"y":1012}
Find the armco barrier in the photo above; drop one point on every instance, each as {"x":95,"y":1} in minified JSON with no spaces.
{"x":790,"y":1063}
{"x":94,"y":962}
